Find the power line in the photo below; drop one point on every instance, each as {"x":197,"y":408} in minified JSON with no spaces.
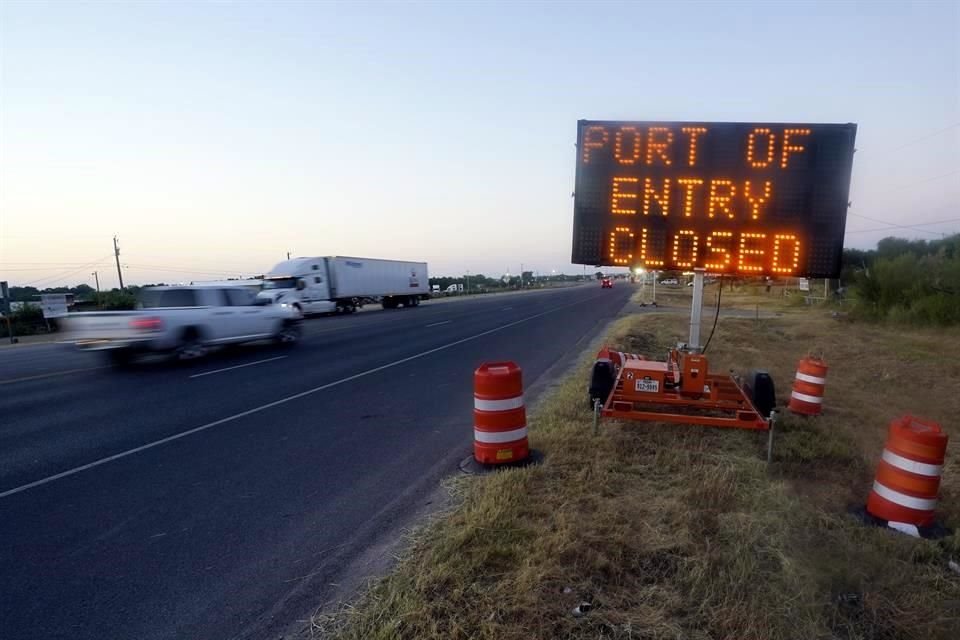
{"x":924,"y":137}
{"x":144,"y":267}
{"x":922,"y":224}
{"x":190,"y":269}
{"x":60,"y":276}
{"x":893,"y":225}
{"x":64,"y":264}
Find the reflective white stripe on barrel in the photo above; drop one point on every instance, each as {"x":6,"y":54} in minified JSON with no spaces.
{"x":802,"y":377}
{"x":902,"y":499}
{"x":499,"y":437}
{"x":497,"y":405}
{"x":920,"y":468}
{"x":806,"y":398}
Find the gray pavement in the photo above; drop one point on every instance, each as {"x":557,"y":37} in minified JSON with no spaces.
{"x":224,"y":498}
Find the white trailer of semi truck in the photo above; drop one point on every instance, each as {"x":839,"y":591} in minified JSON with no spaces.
{"x":341,"y":284}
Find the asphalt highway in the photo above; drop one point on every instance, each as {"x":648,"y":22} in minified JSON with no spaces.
{"x":229,"y":497}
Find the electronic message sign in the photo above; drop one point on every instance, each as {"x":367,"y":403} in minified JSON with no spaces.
{"x":730,"y":197}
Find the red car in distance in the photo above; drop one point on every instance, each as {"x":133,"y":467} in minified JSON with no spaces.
{"x":606,"y":283}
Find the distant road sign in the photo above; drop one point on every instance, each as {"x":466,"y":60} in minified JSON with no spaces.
{"x":804,"y":284}
{"x":54,"y":305}
{"x":731,"y":197}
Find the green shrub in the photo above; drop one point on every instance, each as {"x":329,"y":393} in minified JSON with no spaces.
{"x":911,"y":288}
{"x":25,"y":321}
{"x":115,"y":301}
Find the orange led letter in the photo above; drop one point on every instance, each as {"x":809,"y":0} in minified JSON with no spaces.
{"x":756,"y":201}
{"x":694,"y":133}
{"x":645,"y":259}
{"x":791,"y":148}
{"x":712,"y":248}
{"x":721,"y":193}
{"x":617,"y":242}
{"x":790,"y":263}
{"x":747,"y":251}
{"x":594,"y":137}
{"x":659,"y":144}
{"x":756,"y":159}
{"x":688,"y":184}
{"x":633,"y":153}
{"x":687,"y":261}
{"x":617,"y":194}
{"x":663,"y":198}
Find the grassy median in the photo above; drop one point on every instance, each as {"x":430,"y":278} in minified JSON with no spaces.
{"x":685,"y":532}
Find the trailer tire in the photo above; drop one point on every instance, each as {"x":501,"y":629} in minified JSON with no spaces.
{"x":758,"y":384}
{"x":602,"y":379}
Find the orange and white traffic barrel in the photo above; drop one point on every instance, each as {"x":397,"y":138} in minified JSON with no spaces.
{"x":499,"y":416}
{"x":806,"y":397}
{"x":908,"y":476}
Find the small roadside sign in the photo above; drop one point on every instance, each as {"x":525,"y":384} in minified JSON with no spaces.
{"x":804,"y":284}
{"x":54,"y":305}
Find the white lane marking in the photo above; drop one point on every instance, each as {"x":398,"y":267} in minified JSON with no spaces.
{"x":239,"y":366}
{"x":437,"y":324}
{"x":276,"y":403}
{"x":506,"y":308}
{"x":49,"y":375}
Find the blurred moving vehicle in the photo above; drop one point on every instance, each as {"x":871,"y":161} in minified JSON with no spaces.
{"x":670,"y":281}
{"x":342,"y":284}
{"x":184,"y":322}
{"x":606,"y":283}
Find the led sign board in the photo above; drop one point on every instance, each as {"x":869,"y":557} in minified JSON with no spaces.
{"x":731,"y":197}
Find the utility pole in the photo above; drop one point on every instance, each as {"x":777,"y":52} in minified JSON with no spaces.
{"x":96,"y":278}
{"x":116,"y":254}
{"x":288,"y":255}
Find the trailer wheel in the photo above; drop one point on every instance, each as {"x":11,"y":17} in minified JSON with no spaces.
{"x":602,"y":380}
{"x":759,"y":387}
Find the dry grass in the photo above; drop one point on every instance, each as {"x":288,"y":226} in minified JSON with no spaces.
{"x":684,"y":532}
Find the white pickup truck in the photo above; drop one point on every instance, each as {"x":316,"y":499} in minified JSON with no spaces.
{"x":184,"y":322}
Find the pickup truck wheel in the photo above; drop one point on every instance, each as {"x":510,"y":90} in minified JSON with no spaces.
{"x":190,"y":347}
{"x":289,"y":333}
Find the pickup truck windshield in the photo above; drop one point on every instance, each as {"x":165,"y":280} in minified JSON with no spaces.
{"x":280,"y":283}
{"x":161,"y":298}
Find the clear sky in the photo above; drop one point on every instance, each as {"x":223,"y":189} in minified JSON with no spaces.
{"x":213,"y":137}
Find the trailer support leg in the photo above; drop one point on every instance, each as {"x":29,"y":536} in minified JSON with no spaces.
{"x":773,"y":420}
{"x":696,"y":310}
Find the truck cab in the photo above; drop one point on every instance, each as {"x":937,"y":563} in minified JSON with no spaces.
{"x":301,"y":283}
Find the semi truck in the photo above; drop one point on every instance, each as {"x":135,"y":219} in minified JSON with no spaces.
{"x":342,"y":284}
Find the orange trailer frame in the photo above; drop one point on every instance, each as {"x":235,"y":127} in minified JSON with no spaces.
{"x":679,"y":391}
